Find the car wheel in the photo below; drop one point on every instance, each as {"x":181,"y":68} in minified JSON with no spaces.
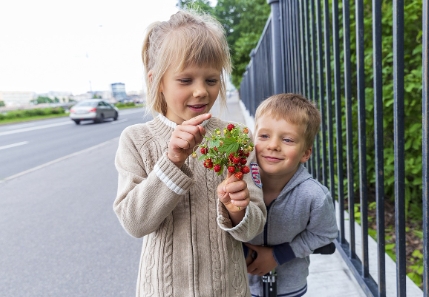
{"x":77,"y":122}
{"x":115,"y":118}
{"x":100,"y":120}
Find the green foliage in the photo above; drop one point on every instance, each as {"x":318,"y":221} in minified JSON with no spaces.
{"x":412,"y":111}
{"x":2,"y":103}
{"x":244,"y":22}
{"x":42,"y":99}
{"x":412,"y":100}
{"x":198,"y":5}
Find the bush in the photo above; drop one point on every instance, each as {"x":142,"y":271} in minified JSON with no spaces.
{"x":127,"y":104}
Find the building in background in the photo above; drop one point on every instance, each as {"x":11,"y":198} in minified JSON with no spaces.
{"x":17,"y":99}
{"x":118,"y":92}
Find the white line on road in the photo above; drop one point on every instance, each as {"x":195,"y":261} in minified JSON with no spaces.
{"x":13,"y":145}
{"x":35,"y":128}
{"x":58,"y":160}
{"x":18,"y":126}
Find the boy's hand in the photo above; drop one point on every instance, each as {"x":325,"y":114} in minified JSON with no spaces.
{"x":185,"y":137}
{"x":264,"y":261}
{"x":250,"y":256}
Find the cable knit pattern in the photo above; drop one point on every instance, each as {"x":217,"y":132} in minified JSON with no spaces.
{"x":168,"y":257}
{"x":190,"y":247}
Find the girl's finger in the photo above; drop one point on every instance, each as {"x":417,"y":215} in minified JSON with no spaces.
{"x":198,"y":119}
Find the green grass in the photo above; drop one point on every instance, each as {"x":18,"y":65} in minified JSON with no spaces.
{"x":23,"y":119}
{"x":34,"y":118}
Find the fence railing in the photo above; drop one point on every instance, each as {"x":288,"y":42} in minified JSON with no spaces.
{"x":306,"y":48}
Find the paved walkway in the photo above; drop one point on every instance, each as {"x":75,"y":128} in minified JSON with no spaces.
{"x":329,"y":275}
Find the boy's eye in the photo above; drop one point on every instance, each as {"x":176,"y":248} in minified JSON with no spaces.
{"x":287,"y":140}
{"x":263,"y":136}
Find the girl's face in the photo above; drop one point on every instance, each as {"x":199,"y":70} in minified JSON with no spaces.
{"x":190,"y":92}
{"x":280,"y":147}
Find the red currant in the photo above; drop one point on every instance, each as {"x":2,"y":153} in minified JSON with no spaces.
{"x":236,"y":160}
{"x":245,"y":169}
{"x":230,"y":127}
{"x":239,"y":175}
{"x":231,"y":169}
{"x":217,"y":168}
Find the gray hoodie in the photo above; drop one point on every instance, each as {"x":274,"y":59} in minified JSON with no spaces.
{"x":300,"y":220}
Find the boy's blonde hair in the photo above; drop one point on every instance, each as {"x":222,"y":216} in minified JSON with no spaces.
{"x":188,"y":38}
{"x":295,"y":109}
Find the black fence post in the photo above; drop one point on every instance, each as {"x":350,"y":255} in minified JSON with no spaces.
{"x":278,"y":76}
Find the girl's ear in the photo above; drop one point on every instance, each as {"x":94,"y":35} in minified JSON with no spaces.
{"x":150,"y":75}
{"x":307,"y":155}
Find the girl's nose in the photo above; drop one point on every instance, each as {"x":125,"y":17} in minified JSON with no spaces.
{"x":200,"y":91}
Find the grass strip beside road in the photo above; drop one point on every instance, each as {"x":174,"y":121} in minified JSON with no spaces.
{"x":52,"y":116}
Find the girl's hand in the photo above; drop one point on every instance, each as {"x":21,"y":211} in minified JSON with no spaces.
{"x":264,"y":261}
{"x":233,"y":193}
{"x":185,"y":137}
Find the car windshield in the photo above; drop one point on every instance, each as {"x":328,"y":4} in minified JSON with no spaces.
{"x":87,"y":103}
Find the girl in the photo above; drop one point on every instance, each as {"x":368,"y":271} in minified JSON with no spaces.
{"x":192,"y":221}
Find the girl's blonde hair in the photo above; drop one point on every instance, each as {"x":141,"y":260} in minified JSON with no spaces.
{"x":294,"y":109}
{"x":188,"y":38}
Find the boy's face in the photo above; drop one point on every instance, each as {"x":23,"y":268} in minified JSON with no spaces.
{"x":190,"y":92}
{"x":280,"y":147}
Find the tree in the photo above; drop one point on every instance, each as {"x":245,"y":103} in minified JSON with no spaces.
{"x":199,"y":5}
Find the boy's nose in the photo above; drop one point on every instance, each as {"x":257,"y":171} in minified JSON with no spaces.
{"x":273,"y":145}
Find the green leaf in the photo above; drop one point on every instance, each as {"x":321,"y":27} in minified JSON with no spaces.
{"x":231,"y":148}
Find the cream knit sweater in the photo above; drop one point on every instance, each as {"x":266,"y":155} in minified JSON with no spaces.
{"x":190,"y":247}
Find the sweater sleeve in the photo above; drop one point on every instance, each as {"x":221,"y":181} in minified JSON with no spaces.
{"x":254,"y":220}
{"x":144,"y":199}
{"x":321,"y":229}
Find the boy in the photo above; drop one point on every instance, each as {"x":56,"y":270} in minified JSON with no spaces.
{"x":301,"y":216}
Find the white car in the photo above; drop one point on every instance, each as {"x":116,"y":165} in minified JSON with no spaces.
{"x":96,"y":110}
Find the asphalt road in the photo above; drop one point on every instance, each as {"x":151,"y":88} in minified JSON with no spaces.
{"x":28,"y":145}
{"x":59,"y":235}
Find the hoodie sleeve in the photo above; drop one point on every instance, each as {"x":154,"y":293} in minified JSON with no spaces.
{"x":321,"y":229}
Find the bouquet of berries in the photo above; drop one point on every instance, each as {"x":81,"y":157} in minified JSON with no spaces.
{"x":227,"y":149}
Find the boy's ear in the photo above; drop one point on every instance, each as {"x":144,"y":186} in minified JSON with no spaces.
{"x":307,"y":154}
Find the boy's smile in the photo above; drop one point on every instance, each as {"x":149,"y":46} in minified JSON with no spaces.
{"x":189,"y":92}
{"x":280,"y":147}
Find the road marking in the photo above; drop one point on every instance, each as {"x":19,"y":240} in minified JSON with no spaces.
{"x":13,"y":145}
{"x":58,"y":160}
{"x":35,"y":128}
{"x":120,"y":121}
{"x":17,"y":126}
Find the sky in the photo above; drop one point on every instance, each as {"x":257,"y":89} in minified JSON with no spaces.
{"x":75,"y":46}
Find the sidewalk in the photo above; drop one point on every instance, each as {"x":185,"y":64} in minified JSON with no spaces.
{"x":329,"y":275}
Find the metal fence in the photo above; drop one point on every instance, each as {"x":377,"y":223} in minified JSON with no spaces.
{"x":301,"y":51}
